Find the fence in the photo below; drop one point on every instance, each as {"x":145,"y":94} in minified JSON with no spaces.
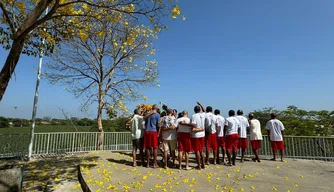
{"x":16,"y":145}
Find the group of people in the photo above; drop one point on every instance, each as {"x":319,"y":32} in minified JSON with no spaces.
{"x":205,"y":129}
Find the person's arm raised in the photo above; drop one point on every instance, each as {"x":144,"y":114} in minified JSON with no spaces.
{"x":203,"y":109}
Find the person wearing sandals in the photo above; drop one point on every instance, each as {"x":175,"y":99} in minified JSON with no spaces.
{"x":255,"y":136}
{"x":275,"y":130}
{"x":136,"y":126}
{"x":231,"y":137}
{"x":169,"y":135}
{"x":183,"y":138}
{"x":243,"y":141}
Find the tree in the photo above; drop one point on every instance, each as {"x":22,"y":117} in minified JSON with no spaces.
{"x":23,"y":23}
{"x":4,"y":123}
{"x":106,"y":66}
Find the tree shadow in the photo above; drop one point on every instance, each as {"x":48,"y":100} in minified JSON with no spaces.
{"x":47,"y":174}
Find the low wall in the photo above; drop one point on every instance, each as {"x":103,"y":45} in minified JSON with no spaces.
{"x":11,"y":178}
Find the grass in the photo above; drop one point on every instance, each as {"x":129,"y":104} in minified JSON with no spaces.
{"x":46,"y":129}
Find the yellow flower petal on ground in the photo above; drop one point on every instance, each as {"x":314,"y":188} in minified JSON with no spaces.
{"x":252,"y":187}
{"x":302,"y":176}
{"x":286,"y":177}
{"x":277,"y":167}
{"x":274,"y":188}
{"x":295,"y":185}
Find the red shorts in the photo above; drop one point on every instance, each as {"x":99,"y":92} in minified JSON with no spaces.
{"x":256,"y":144}
{"x":221,"y":142}
{"x":184,"y":142}
{"x":211,"y":141}
{"x":150,"y":140}
{"x":277,"y":145}
{"x":197,"y":144}
{"x":231,"y":142}
{"x":243,"y":143}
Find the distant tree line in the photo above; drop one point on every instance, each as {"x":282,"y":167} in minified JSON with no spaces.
{"x":117,"y":124}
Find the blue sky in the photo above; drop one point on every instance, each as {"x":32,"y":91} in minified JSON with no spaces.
{"x":227,"y":54}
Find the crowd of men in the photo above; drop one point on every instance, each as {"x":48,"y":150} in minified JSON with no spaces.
{"x":206,"y":128}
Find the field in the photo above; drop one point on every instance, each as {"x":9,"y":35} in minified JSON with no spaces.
{"x":46,"y":129}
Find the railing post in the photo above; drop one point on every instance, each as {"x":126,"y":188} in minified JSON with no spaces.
{"x":323,"y":140}
{"x":47,"y":144}
{"x":117,"y":141}
{"x":293,"y":148}
{"x":73,"y":142}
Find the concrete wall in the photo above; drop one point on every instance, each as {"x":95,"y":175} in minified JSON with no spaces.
{"x":11,"y":178}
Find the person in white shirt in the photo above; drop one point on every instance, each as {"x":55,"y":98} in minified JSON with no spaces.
{"x":255,"y":136}
{"x":136,"y":126}
{"x":220,"y":124}
{"x":275,"y":130}
{"x":169,"y":136}
{"x":197,"y":135}
{"x":210,"y":134}
{"x":243,"y":141}
{"x":231,"y":137}
{"x":183,"y":138}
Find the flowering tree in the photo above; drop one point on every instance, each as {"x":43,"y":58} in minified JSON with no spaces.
{"x":23,"y":23}
{"x":107,"y":65}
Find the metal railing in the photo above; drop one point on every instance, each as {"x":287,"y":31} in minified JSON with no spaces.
{"x":16,"y":145}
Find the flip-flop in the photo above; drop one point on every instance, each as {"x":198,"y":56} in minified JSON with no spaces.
{"x":187,"y":168}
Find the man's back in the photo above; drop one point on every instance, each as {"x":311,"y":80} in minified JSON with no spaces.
{"x":232,"y":125}
{"x":198,"y":119}
{"x":137,"y":126}
{"x":275,"y":127}
{"x":243,"y":126}
{"x":255,"y":129}
{"x":210,"y":125}
{"x":183,"y":128}
{"x":221,"y":122}
{"x":152,"y":122}
{"x":167,"y":122}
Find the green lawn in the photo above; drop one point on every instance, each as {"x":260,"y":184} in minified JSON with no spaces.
{"x":46,"y":129}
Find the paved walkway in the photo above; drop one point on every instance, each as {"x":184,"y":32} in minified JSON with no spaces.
{"x":113,"y":172}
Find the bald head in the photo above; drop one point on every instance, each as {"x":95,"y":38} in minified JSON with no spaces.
{"x":155,"y":107}
{"x":185,"y":113}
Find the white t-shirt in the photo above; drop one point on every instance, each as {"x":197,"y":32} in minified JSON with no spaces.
{"x":167,"y":122}
{"x":198,"y":119}
{"x":255,"y":130}
{"x":232,"y":125}
{"x":275,"y":127}
{"x":243,"y":126}
{"x":183,"y":128}
{"x":137,"y":125}
{"x":210,"y":123}
{"x":221,"y":122}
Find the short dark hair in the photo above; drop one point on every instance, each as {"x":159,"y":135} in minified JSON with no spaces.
{"x":197,"y":109}
{"x":163,"y":114}
{"x":179,"y":115}
{"x":136,"y":111}
{"x":240,"y":112}
{"x":208,"y":109}
{"x":169,"y":111}
{"x":273,"y":115}
{"x":251,"y":116}
{"x":174,"y":111}
{"x":217,"y":112}
{"x":231,"y":113}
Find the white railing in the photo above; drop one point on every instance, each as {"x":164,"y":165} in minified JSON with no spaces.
{"x":16,"y":145}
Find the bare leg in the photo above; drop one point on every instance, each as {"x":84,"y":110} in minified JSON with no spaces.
{"x":229,"y":157}
{"x":134,"y":154}
{"x":282,"y":154}
{"x":224,"y":152}
{"x":274,"y":153}
{"x":217,"y":152}
{"x":198,"y":160}
{"x":165,"y":158}
{"x":187,"y":160}
{"x":155,"y":154}
{"x":202,"y":158}
{"x":234,"y":154}
{"x":207,"y":155}
{"x":173,"y":157}
{"x":148,"y":155}
{"x":180,"y":159}
{"x":141,"y":153}
{"x":242,"y":155}
{"x":214,"y":157}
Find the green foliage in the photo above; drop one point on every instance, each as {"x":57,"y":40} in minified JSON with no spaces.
{"x":298,"y":121}
{"x":115,"y":125}
{"x":4,"y":123}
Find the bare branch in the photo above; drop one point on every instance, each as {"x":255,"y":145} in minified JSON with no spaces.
{"x":5,"y":13}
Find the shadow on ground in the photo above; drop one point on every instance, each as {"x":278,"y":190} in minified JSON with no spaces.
{"x":49,"y":173}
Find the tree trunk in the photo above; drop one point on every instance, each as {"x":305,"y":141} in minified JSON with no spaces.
{"x":99,"y":120}
{"x":10,"y":64}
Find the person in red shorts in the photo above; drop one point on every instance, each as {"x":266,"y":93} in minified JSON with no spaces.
{"x":210,"y":135}
{"x":152,"y":127}
{"x":255,"y":136}
{"x":275,"y":130}
{"x":231,"y":137}
{"x":220,"y":124}
{"x":243,"y":141}
{"x":184,"y":142}
{"x":197,"y":136}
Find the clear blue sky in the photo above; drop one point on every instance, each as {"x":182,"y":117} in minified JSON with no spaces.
{"x":227,"y":54}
